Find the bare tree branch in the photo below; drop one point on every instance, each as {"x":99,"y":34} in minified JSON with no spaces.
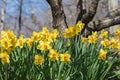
{"x":91,"y":12}
{"x":81,"y":9}
{"x":104,"y":23}
{"x":59,"y":18}
{"x":114,"y":13}
{"x":3,"y":12}
{"x":113,"y":18}
{"x":86,"y":18}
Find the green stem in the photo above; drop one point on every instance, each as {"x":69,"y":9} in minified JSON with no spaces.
{"x":59,"y":72}
{"x":6,"y":78}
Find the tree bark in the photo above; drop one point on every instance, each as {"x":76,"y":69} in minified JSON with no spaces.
{"x":104,"y":23}
{"x":3,"y":12}
{"x":81,"y":9}
{"x":20,"y":16}
{"x":113,"y":18}
{"x":59,"y":18}
{"x":86,"y":18}
{"x":113,"y":13}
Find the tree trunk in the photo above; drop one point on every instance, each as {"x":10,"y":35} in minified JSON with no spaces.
{"x":59,"y":19}
{"x":20,"y":16}
{"x":113,"y":5}
{"x":3,"y":11}
{"x":81,"y":9}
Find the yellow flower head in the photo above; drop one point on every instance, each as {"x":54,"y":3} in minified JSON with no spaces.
{"x":114,"y":42}
{"x":45,"y":29}
{"x":53,"y":55}
{"x":65,"y":57}
{"x":68,"y":33}
{"x":20,"y":41}
{"x":38,"y":59}
{"x":55,"y":32}
{"x":105,"y":43}
{"x":117,"y":33}
{"x":10,"y":34}
{"x":44,"y":34}
{"x":71,"y":31}
{"x":93,"y":38}
{"x":102,"y":54}
{"x":53,"y":35}
{"x":8,"y":39}
{"x":44,"y":45}
{"x":80,"y":25}
{"x":29,"y":41}
{"x":8,"y":51}
{"x":94,"y":34}
{"x":104,"y":34}
{"x":84,"y":40}
{"x":75,"y":30}
{"x":4,"y":58}
{"x":35,"y":36}
{"x":5,"y":43}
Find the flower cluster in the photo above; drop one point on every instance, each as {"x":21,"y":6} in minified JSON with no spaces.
{"x":112,"y":43}
{"x":7,"y":44}
{"x":44,"y":38}
{"x":73,"y":30}
{"x":54,"y":55}
{"x":51,"y":57}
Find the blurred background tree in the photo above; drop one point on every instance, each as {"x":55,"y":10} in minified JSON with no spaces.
{"x":32,"y":15}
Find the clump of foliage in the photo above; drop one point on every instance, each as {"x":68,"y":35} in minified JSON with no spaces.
{"x":47,"y":56}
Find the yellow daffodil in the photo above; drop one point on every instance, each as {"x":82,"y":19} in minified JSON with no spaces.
{"x":38,"y":59}
{"x":44,"y":45}
{"x":53,"y":35}
{"x":55,"y":32}
{"x":114,"y":42}
{"x":8,"y":51}
{"x":84,"y":40}
{"x":4,"y":58}
{"x":65,"y":57}
{"x":10,"y":34}
{"x":75,"y":30}
{"x":94,"y":34}
{"x":44,"y":33}
{"x":20,"y":41}
{"x":80,"y":24}
{"x":29,"y":41}
{"x":105,"y":43}
{"x":93,"y":38}
{"x":35,"y":36}
{"x":71,"y":31}
{"x":45,"y":29}
{"x":104,"y":34}
{"x":102,"y":54}
{"x":117,"y":33}
{"x":53,"y":55}
{"x":67,"y":33}
{"x":6,"y":43}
